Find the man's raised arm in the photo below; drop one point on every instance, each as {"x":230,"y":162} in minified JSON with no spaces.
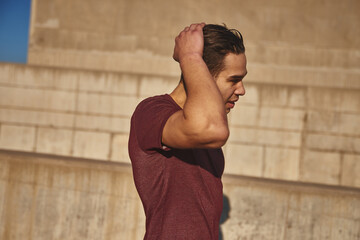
{"x":202,"y":123}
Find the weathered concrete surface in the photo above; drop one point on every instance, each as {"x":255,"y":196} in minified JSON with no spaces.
{"x":46,"y":197}
{"x":261,"y":209}
{"x":91,"y":62}
{"x":291,"y":42}
{"x":282,"y":131}
{"x":60,"y":198}
{"x":134,"y":36}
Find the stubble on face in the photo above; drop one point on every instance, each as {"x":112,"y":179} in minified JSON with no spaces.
{"x":228,"y":79}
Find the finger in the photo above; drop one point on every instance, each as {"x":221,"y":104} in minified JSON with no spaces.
{"x":201,"y":25}
{"x":193,"y":26}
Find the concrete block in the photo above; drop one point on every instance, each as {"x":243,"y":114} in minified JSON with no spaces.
{"x":281,"y":118}
{"x":41,"y":77}
{"x":303,"y":76}
{"x":323,"y":121}
{"x":138,"y":62}
{"x":297,"y":97}
{"x":320,"y":167}
{"x":108,"y":82}
{"x":325,"y":99}
{"x":258,"y":73}
{"x":350,"y":101}
{"x":281,"y":95}
{"x":334,"y":99}
{"x":106,"y":104}
{"x":243,"y":159}
{"x":265,"y":136}
{"x":119,"y":148}
{"x":350,"y":170}
{"x":17,"y":137}
{"x":35,"y":77}
{"x":37,"y":99}
{"x":151,"y":86}
{"x":270,"y":53}
{"x":4,"y":170}
{"x":6,"y":72}
{"x":273,"y":95}
{"x":42,"y":118}
{"x":91,"y":145}
{"x":349,"y":124}
{"x":103,"y":123}
{"x":65,"y":79}
{"x":282,"y":163}
{"x":333,"y":143}
{"x":334,"y":122}
{"x":54,"y":141}
{"x":244,"y":115}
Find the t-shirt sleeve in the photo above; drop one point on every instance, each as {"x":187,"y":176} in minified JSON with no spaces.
{"x":149,"y":120}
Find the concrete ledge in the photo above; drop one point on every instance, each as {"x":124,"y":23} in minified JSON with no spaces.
{"x":52,"y":197}
{"x":67,"y":161}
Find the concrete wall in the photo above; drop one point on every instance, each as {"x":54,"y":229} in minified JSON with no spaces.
{"x":302,"y":105}
{"x":279,"y":131}
{"x":46,"y":197}
{"x":91,"y":62}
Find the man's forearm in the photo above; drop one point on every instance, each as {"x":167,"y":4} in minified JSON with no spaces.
{"x":204,"y":102}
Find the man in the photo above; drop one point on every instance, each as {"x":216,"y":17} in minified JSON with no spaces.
{"x":175,"y":140}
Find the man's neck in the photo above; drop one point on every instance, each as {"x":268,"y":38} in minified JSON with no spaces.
{"x":179,"y":94}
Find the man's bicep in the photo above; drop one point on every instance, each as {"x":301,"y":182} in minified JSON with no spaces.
{"x":178,"y":133}
{"x":173,"y":134}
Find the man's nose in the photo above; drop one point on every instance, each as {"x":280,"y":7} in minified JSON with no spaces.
{"x":240,"y":89}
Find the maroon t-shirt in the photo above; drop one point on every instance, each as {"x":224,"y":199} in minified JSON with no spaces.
{"x":180,"y":189}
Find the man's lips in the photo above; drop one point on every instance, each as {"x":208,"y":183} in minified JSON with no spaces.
{"x":231,"y":103}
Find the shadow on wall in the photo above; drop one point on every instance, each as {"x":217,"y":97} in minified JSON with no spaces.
{"x":225,"y":214}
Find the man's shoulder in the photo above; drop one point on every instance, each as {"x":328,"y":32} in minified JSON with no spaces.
{"x":157,"y":101}
{"x":149,"y":119}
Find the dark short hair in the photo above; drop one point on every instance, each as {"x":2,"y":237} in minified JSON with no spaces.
{"x":218,"y":42}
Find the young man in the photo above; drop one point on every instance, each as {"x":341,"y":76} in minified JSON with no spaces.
{"x":175,"y":140}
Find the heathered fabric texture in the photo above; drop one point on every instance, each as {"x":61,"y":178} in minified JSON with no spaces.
{"x":180,"y":189}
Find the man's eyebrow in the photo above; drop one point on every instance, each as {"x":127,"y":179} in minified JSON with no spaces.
{"x":238,"y":76}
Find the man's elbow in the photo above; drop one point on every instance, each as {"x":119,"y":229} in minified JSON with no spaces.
{"x":209,"y":134}
{"x":218,"y":136}
{"x":223,"y":136}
